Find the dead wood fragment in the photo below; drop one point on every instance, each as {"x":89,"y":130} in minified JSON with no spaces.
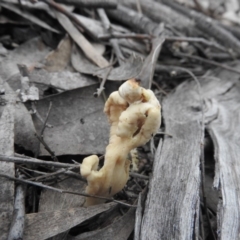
{"x":225,"y":134}
{"x":6,"y":148}
{"x":139,"y":213}
{"x":175,"y":182}
{"x":18,"y":222}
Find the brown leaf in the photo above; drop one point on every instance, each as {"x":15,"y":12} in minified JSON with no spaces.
{"x":58,"y":59}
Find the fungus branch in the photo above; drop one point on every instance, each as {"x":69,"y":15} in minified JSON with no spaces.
{"x":135,"y":116}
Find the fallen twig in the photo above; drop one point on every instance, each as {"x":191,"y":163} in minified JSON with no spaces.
{"x":108,"y":36}
{"x":63,"y":191}
{"x":36,"y":162}
{"x":208,"y":61}
{"x":18,"y":220}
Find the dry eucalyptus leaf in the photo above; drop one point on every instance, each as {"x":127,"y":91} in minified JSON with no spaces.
{"x":28,"y":54}
{"x":82,"y":42}
{"x":130,"y":68}
{"x":44,"y":225}
{"x":59,"y":58}
{"x":63,"y":81}
{"x":50,"y":201}
{"x":79,"y":124}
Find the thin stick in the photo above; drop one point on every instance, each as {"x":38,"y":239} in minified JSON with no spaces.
{"x":54,"y":174}
{"x":18,"y":220}
{"x":36,"y":162}
{"x":164,"y":133}
{"x":46,"y":119}
{"x":41,"y":140}
{"x":60,"y":9}
{"x":208,"y":61}
{"x":108,"y":36}
{"x":64,"y":191}
{"x":200,"y":40}
{"x":139,"y":6}
{"x":159,"y":88}
{"x":114,"y":42}
{"x":137,"y":175}
{"x":38,"y":115}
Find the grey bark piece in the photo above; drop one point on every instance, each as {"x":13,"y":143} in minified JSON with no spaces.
{"x":174,"y":188}
{"x":172,"y":206}
{"x":225,"y":132}
{"x":6,"y":148}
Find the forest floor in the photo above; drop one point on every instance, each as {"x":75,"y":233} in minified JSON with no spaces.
{"x":59,"y":62}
